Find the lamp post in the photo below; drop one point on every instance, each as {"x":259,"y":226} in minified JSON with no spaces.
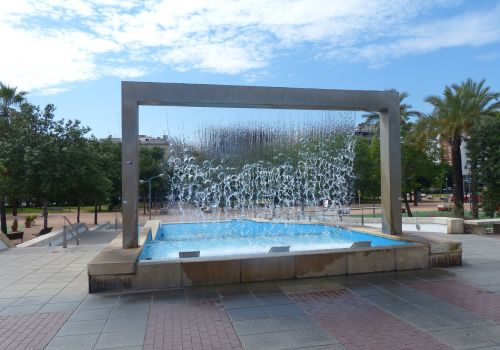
{"x":149,"y":185}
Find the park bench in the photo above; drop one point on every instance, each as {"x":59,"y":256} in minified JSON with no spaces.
{"x":478,"y":227}
{"x":16,"y":235}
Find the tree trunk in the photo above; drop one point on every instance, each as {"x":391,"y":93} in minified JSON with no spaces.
{"x":95,"y":214}
{"x":45,"y":215}
{"x":458,"y":180}
{"x":415,"y":197}
{"x":407,"y":204}
{"x":473,"y":196}
{"x":14,"y":207}
{"x":3,"y":214}
{"x":78,"y":214}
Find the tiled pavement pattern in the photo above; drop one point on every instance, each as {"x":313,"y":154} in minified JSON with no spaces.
{"x":453,"y":307}
{"x":175,"y":324}
{"x":480,"y":302}
{"x":31,"y":331}
{"x":344,"y":314}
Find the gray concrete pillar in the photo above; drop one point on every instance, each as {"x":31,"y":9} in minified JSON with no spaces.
{"x":390,"y":169}
{"x":130,"y":170}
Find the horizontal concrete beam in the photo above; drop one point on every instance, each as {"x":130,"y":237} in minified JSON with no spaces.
{"x":237,"y":96}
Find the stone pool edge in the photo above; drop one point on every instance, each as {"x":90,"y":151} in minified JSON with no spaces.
{"x":119,"y":269}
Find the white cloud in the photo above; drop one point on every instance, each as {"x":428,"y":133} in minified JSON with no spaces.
{"x":490,"y":56}
{"x":53,"y":44}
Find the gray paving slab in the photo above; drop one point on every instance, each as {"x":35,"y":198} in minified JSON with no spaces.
{"x":421,"y":318}
{"x":463,"y":338}
{"x":296,"y":322}
{"x":309,"y":337}
{"x":20,"y":309}
{"x":125,"y":324}
{"x":268,"y":341}
{"x":136,"y":310}
{"x":257,"y":326}
{"x":56,"y":307}
{"x":283,"y":310}
{"x":73,"y":342}
{"x":247,"y":313}
{"x":82,"y":327}
{"x":236,"y":303}
{"x":120,"y":339}
{"x":273,"y":300}
{"x":87,"y":315}
{"x":98,"y":302}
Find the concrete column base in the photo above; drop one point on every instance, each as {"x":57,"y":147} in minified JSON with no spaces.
{"x":455,"y":226}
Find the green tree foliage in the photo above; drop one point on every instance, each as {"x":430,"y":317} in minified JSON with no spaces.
{"x":367,"y":167}
{"x":454,"y":116}
{"x":420,"y":167}
{"x":484,"y":148}
{"x":151,"y":164}
{"x":10,"y":100}
{"x":110,"y":158}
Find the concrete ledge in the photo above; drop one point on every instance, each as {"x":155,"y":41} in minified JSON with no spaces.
{"x":443,"y":252}
{"x":113,"y":261}
{"x":139,"y":275}
{"x":412,"y":257}
{"x":364,"y":260}
{"x":321,"y":264}
{"x":105,"y":283}
{"x":210,"y":272}
{"x":240,"y":269}
{"x":275,"y":267}
{"x":455,"y":226}
{"x":157,"y":275}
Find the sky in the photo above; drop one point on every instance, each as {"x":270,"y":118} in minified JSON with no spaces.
{"x":74,"y":53}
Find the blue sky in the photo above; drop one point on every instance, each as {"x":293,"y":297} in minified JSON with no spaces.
{"x":74,"y":53}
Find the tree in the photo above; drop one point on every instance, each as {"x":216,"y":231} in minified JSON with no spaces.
{"x":10,"y":98}
{"x":45,"y":176}
{"x":484,"y":148}
{"x":85,"y":181}
{"x":367,"y":167}
{"x":405,"y":112}
{"x":454,"y":115}
{"x":412,"y":175}
{"x":110,"y":157}
{"x":150,"y":164}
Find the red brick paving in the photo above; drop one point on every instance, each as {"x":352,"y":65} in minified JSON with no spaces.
{"x":478,"y":301}
{"x":199,"y":326}
{"x":30,"y":331}
{"x":358,"y":324}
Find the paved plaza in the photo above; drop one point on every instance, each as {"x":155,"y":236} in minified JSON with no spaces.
{"x":44,"y":303}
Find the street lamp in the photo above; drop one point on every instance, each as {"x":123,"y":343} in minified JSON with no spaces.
{"x":149,"y":185}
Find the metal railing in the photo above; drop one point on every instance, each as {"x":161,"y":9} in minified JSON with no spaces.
{"x":117,"y":222}
{"x":71,"y":230}
{"x":363,"y":214}
{"x":323,"y":213}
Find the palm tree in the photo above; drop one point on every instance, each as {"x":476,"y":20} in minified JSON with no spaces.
{"x":405,"y":112}
{"x":9,"y":97}
{"x":454,"y":115}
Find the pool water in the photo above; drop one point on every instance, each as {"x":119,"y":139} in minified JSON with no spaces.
{"x":241,"y":237}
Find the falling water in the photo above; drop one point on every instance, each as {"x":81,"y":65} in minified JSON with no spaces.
{"x":281,"y":171}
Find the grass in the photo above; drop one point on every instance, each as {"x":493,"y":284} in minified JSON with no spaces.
{"x":39,"y":210}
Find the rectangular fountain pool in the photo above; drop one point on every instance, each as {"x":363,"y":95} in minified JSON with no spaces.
{"x":242,"y":237}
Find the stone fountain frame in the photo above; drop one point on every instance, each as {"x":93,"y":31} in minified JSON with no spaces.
{"x":135,"y":94}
